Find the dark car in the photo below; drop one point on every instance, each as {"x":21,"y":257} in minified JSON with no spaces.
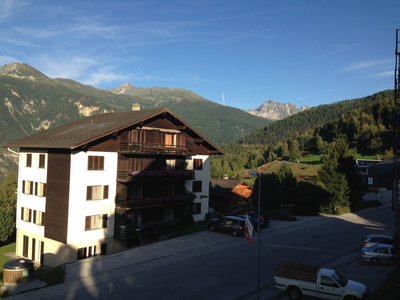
{"x":264,"y":219}
{"x":229,"y":224}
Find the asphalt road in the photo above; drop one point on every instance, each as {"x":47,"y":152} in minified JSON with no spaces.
{"x":226,"y":270}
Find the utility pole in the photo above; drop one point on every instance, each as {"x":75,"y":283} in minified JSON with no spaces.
{"x":395,"y":199}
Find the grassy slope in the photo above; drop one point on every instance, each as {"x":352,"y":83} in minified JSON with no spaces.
{"x":3,"y":259}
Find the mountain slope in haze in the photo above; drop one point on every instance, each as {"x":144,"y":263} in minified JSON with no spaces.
{"x":276,"y":111}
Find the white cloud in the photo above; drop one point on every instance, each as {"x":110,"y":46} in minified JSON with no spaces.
{"x":106,"y":75}
{"x":64,"y":68}
{"x":5,"y":59}
{"x":366,"y":64}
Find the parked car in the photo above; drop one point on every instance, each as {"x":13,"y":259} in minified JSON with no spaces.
{"x":378,"y":254}
{"x":229,"y":224}
{"x":254,"y":220}
{"x":300,"y":279}
{"x":375,"y":239}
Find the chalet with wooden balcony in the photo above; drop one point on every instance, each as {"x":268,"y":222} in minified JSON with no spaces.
{"x":99,"y":184}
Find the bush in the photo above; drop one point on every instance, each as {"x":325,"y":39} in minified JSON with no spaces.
{"x":342,"y":210}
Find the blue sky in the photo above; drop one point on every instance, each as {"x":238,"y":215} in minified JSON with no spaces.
{"x":236,"y":53}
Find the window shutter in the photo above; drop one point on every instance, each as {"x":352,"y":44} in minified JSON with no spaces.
{"x":31,"y":188}
{"x":105,"y":219}
{"x":22,"y":213}
{"x":30,"y":217}
{"x":43,"y":218}
{"x":94,"y":250}
{"x":36,"y":187}
{"x":95,"y":163}
{"x":101,"y":163}
{"x":34,"y":217}
{"x":87,"y":223}
{"x":41,"y":160}
{"x":105,"y":193}
{"x":29,"y":160}
{"x":89,"y":193}
{"x":44,"y":189}
{"x":90,"y":163}
{"x":23,"y":186}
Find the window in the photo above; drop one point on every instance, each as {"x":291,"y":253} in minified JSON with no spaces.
{"x":86,"y":252}
{"x":383,"y":250}
{"x":135,"y":191}
{"x":170,"y":139}
{"x":27,"y":187}
{"x":42,"y":161}
{"x":136,"y":164}
{"x":197,"y":164}
{"x":38,"y":217}
{"x":327,"y":281}
{"x":40,"y":189}
{"x":170,"y":164}
{"x":97,"y":192}
{"x":197,"y":186}
{"x":364,"y":171}
{"x":29,"y":160}
{"x":169,"y":189}
{"x":96,"y":162}
{"x":25,"y":246}
{"x":25,"y":214}
{"x":196,"y":208}
{"x":96,"y":222}
{"x":370,"y":180}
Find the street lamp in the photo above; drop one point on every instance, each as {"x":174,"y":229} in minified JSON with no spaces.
{"x":252,"y":172}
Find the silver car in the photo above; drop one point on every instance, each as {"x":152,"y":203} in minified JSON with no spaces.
{"x":379,"y":254}
{"x":376,"y":239}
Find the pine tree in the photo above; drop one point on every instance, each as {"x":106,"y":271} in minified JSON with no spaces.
{"x":287,"y":180}
{"x":7,"y":225}
{"x":8,"y":194}
{"x":334,"y":182}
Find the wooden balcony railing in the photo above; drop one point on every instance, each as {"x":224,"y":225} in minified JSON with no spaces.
{"x":150,"y":148}
{"x":155,"y":175}
{"x":155,"y":201}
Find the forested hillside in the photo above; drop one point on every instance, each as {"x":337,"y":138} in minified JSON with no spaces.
{"x":366,"y":124}
{"x":284,"y":130}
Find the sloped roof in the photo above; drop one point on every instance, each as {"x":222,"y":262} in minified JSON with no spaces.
{"x":85,"y":130}
{"x":384,"y":166}
{"x":221,"y":187}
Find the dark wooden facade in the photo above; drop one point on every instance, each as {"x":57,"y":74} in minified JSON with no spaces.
{"x":57,"y":198}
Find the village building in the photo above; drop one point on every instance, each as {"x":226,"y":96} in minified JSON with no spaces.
{"x":229,"y":194}
{"x":99,"y":184}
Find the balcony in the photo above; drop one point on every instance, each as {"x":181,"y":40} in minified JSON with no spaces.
{"x":151,"y":148}
{"x":148,"y":175}
{"x":155,"y":201}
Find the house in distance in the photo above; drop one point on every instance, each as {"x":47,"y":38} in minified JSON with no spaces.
{"x":99,"y":184}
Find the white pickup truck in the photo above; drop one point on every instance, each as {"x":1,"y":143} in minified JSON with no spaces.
{"x":300,"y":279}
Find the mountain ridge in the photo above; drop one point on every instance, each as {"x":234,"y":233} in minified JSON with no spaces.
{"x":276,"y":111}
{"x":35,"y":102}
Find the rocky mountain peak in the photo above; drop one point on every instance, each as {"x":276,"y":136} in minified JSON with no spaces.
{"x":276,"y":111}
{"x":21,"y":70}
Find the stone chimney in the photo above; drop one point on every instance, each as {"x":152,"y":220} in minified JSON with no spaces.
{"x":225,"y":176}
{"x":135,"y":106}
